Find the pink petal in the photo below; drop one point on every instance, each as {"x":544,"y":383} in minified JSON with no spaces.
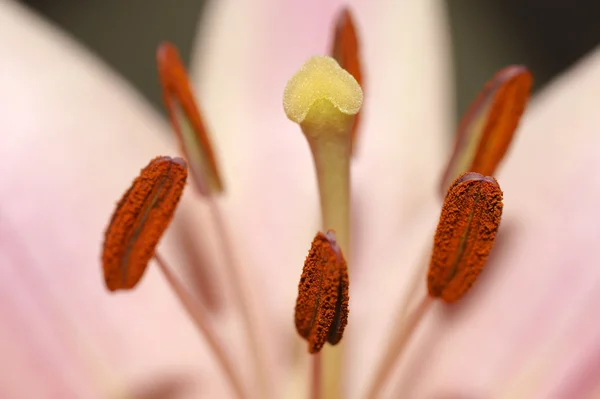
{"x":74,"y":135}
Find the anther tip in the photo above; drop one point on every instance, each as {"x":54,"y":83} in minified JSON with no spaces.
{"x":166,"y":50}
{"x":514,"y":70}
{"x":330,"y":235}
{"x":179,"y":161}
{"x":474,"y":176}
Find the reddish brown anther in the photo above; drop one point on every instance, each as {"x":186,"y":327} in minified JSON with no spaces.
{"x":487,"y":128}
{"x":346,"y":51}
{"x":140,"y":219}
{"x":322,"y":304}
{"x":465,"y":235}
{"x":183,"y":110}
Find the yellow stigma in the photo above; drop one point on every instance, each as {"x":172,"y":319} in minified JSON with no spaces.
{"x":322,"y":96}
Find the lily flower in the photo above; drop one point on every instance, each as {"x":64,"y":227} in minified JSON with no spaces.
{"x":74,"y":135}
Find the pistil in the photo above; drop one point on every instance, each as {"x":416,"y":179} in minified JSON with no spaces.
{"x":323,"y":99}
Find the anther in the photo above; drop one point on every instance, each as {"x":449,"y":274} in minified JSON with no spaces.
{"x":140,"y":219}
{"x":187,"y":121}
{"x":346,"y":51}
{"x":322,"y":305}
{"x":465,"y":235}
{"x":487,"y":129}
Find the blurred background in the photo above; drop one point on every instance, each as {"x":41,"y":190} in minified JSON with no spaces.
{"x":545,"y":35}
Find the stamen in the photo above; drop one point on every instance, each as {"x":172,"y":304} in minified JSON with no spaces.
{"x":346,"y":51}
{"x":242,"y":298}
{"x":402,"y":334}
{"x":465,"y":235}
{"x":193,"y":136}
{"x":323,"y":99}
{"x":141,"y":217}
{"x":404,"y":323}
{"x":484,"y":134}
{"x":487,"y":129}
{"x":201,"y":319}
{"x":187,"y":120}
{"x":322,"y":304}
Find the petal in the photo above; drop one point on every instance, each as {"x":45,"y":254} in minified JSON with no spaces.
{"x":530,"y":323}
{"x":407,"y":121}
{"x":73,"y":137}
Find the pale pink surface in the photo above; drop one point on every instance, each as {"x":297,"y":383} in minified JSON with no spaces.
{"x":63,"y":116}
{"x":73,"y":137}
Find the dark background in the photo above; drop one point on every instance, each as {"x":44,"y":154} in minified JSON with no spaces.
{"x":546,"y":35}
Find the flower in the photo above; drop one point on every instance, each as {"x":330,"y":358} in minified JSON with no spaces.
{"x":74,"y":135}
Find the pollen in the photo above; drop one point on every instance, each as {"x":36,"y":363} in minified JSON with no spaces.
{"x":322,"y":305}
{"x":140,"y":219}
{"x":465,"y":235}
